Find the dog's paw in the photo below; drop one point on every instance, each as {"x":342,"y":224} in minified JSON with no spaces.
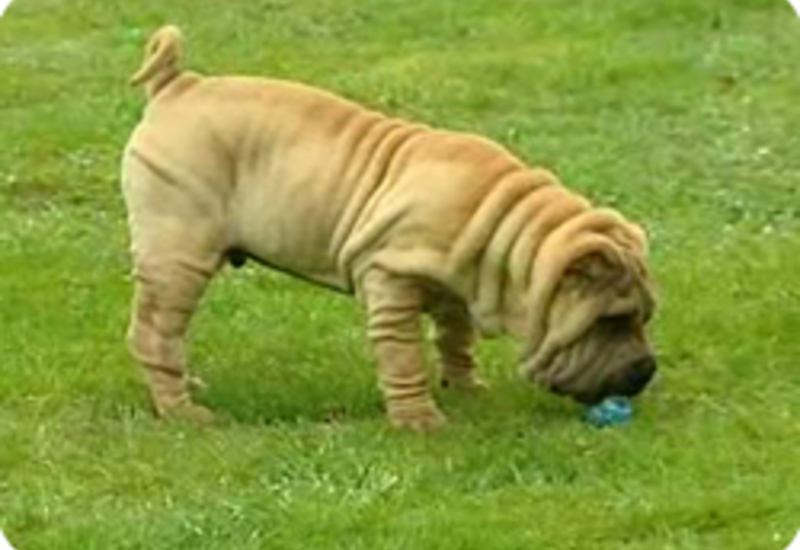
{"x":190,"y":412}
{"x":422,"y":418}
{"x":196,"y":383}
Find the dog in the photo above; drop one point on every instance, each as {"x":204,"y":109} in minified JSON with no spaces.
{"x":409,"y":219}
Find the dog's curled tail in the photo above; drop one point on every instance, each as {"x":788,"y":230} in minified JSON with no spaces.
{"x":161,"y":61}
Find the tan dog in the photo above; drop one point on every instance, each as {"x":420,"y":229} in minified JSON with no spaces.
{"x":410,"y":219}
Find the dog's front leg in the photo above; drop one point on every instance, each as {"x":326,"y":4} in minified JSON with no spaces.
{"x":394,"y":308}
{"x":455,"y":336}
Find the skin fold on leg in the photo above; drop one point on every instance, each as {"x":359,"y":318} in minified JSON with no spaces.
{"x":394,"y":310}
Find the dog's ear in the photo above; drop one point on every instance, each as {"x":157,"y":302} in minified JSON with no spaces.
{"x":621,"y":275}
{"x":600,"y":267}
{"x":593,"y":267}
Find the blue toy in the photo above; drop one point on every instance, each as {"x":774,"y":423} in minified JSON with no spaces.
{"x":612,"y":411}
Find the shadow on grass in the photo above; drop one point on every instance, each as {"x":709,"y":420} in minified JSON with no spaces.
{"x":248,"y":399}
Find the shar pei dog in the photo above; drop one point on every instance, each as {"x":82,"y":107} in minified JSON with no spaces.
{"x":409,"y":219}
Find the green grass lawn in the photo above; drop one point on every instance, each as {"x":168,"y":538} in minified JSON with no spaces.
{"x":684,"y":114}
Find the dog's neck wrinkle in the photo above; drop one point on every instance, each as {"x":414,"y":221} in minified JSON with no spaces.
{"x":548,"y":217}
{"x":494,"y":286}
{"x":512,"y":254}
{"x":485,"y":215}
{"x":512,"y":185}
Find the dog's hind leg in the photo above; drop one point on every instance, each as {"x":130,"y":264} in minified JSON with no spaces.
{"x":167,"y":292}
{"x":177,"y":243}
{"x":394,"y":309}
{"x":455,"y":336}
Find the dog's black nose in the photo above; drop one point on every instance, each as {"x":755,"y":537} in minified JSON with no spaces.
{"x":638,"y":375}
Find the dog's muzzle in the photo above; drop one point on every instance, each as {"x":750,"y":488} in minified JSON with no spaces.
{"x":629,"y":381}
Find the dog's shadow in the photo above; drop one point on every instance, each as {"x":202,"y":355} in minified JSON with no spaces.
{"x":257,"y":394}
{"x":332,"y":379}
{"x":256,"y":397}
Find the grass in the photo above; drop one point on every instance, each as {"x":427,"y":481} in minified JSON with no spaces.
{"x":683,"y":114}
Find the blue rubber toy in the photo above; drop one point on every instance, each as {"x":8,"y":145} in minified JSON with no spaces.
{"x":612,"y":411}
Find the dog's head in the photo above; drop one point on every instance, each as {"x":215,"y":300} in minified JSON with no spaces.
{"x":590,"y":308}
